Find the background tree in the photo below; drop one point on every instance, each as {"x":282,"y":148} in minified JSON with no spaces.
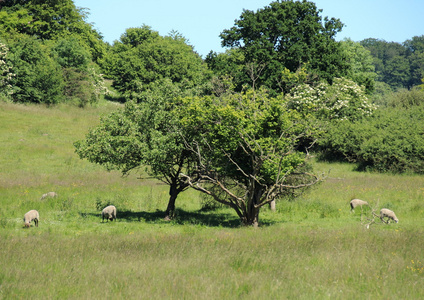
{"x":398,"y":65}
{"x":343,"y":100}
{"x":38,"y":76}
{"x":287,"y":34}
{"x":53,"y":50}
{"x":83,"y":82}
{"x":142,"y":57}
{"x":50,"y":20}
{"x":230,"y":64}
{"x":245,"y":146}
{"x":362,"y":69}
{"x":415,"y":52}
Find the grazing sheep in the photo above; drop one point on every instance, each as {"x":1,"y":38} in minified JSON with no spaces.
{"x":109,"y":213}
{"x":49,"y":194}
{"x":32,"y":215}
{"x":384,"y":212}
{"x":356,"y":202}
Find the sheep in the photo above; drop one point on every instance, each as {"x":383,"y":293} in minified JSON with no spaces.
{"x":109,"y":213}
{"x":49,"y":194}
{"x":356,"y":202}
{"x":32,"y":215}
{"x":384,"y":212}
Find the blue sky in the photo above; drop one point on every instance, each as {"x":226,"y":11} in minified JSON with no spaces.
{"x":201,"y":22}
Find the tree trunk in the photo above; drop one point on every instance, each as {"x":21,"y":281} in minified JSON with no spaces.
{"x":252,"y":211}
{"x":173,"y":193}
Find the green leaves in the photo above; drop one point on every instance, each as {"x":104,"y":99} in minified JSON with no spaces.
{"x":287,"y":34}
{"x":143,"y":57}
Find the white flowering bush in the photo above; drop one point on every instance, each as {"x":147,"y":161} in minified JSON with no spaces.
{"x":343,"y":100}
{"x":6,"y":74}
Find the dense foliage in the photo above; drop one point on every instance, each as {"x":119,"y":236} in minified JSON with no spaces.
{"x":143,"y":57}
{"x":144,"y":134}
{"x":246,"y":149}
{"x":391,"y":141}
{"x":285,"y":34}
{"x":53,"y":52}
{"x":38,"y":77}
{"x":398,"y":65}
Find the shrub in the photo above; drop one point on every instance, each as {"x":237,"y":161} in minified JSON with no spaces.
{"x":343,"y":100}
{"x":391,"y":141}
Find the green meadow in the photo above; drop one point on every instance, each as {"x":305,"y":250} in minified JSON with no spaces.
{"x":310,"y":248}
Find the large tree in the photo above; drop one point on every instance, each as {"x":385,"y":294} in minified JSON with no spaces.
{"x":246,"y":150}
{"x":142,"y":57}
{"x":287,"y":34}
{"x":140,"y":135}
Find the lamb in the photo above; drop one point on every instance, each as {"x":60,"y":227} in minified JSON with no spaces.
{"x":32,"y":215}
{"x":49,"y":194}
{"x":384,"y":212}
{"x":109,"y":212}
{"x":356,"y":202}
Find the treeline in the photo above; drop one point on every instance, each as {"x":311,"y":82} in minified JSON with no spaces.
{"x":359,"y":94}
{"x":397,"y":65}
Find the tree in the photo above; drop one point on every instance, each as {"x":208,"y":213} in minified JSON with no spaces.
{"x":144,"y":134}
{"x":230,"y":64}
{"x":391,"y":62}
{"x":287,"y":34}
{"x":362,"y":69}
{"x":245,"y":145}
{"x":143,"y":57}
{"x":50,"y":20}
{"x":415,"y":52}
{"x":38,"y":77}
{"x":83,"y":83}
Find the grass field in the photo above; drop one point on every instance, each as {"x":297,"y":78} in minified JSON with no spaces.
{"x":311,"y":248}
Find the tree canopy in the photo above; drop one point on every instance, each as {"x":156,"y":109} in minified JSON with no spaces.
{"x":246,"y":149}
{"x":287,"y":34}
{"x":398,"y":65}
{"x":143,"y":57}
{"x":141,"y":135}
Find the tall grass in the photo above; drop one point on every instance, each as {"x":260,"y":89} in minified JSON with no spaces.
{"x":313,"y":247}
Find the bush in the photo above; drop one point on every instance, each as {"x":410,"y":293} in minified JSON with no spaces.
{"x":390,"y":141}
{"x":343,"y":100}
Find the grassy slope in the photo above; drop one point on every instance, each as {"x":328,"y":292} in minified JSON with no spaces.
{"x":313,"y":247}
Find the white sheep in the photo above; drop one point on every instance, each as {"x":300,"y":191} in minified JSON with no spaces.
{"x":109,"y":212}
{"x":49,"y":194}
{"x":384,"y":212}
{"x":357,"y":202}
{"x":32,"y":215}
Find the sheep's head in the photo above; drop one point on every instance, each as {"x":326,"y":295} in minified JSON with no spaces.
{"x":27,"y":225}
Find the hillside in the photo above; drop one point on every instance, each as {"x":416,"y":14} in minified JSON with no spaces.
{"x":200,"y":254}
